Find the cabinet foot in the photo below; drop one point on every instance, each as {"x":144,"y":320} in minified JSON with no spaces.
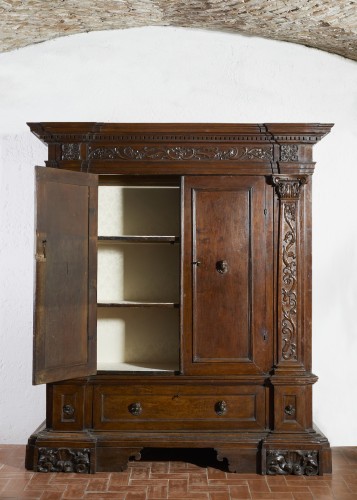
{"x":244,"y":460}
{"x":110,"y":459}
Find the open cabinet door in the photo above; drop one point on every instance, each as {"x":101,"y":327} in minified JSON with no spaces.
{"x":66,"y":270}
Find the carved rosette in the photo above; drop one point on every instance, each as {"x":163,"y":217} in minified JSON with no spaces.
{"x":289,"y":152}
{"x":70,"y":151}
{"x":287,"y":462}
{"x":288,"y":190}
{"x":180,"y":153}
{"x":64,"y":460}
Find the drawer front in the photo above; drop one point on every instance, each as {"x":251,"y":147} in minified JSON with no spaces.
{"x":179,"y":407}
{"x":293,"y":410}
{"x":71,"y":407}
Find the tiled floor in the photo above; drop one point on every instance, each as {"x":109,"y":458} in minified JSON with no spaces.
{"x":174,"y":480}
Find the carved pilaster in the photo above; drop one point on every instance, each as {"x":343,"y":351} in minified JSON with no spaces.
{"x":288,"y":190}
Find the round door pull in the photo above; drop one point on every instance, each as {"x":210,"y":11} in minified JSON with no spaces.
{"x":221,"y":408}
{"x":135,"y":409}
{"x":68,"y":410}
{"x":222,"y":266}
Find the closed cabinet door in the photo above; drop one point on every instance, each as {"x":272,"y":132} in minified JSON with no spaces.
{"x":227,"y":276}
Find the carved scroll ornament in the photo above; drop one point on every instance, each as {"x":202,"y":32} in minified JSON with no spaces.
{"x":289,"y":462}
{"x":63,"y":460}
{"x":180,"y":153}
{"x":288,"y":190}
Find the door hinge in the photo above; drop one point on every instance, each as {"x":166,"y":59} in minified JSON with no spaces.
{"x":265,"y":211}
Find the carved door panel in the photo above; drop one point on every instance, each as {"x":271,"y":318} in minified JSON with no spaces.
{"x":227,"y":274}
{"x":66,"y":261}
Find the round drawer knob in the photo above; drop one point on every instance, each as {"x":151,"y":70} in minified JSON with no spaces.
{"x":289,"y":410}
{"x":68,"y":410}
{"x":135,"y":409}
{"x":220,"y":407}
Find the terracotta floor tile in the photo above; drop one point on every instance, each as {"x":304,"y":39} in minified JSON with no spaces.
{"x":197,"y":479}
{"x":284,"y":488}
{"x":160,"y":467}
{"x":230,"y":481}
{"x":16,"y":485}
{"x":118,"y":479}
{"x":147,"y":482}
{"x":51,"y":495}
{"x":136,"y":495}
{"x":170,"y":476}
{"x":3,"y":482}
{"x":74,"y":491}
{"x":191,"y":496}
{"x":140,"y":473}
{"x":215,"y":473}
{"x":238,"y":492}
{"x":302,"y":496}
{"x":258,"y":485}
{"x":21,"y":494}
{"x":113,"y":495}
{"x":220,"y":496}
{"x":178,"y":487}
{"x":97,"y":485}
{"x":276,"y":480}
{"x":157,"y":490}
{"x":257,"y":495}
{"x":346,"y":496}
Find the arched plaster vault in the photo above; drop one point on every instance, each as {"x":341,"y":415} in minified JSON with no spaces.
{"x":329,"y":25}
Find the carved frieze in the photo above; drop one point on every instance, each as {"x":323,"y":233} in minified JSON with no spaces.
{"x":288,"y":462}
{"x":70,"y":151}
{"x":180,"y":153}
{"x":289,"y":152}
{"x":64,"y":460}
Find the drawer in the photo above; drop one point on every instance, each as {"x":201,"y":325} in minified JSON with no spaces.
{"x":179,"y":407}
{"x":293,"y":410}
{"x":71,"y":407}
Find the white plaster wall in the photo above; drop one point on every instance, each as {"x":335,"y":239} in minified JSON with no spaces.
{"x":173,"y":75}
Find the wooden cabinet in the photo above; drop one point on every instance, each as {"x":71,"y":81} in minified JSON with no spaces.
{"x":173,"y":295}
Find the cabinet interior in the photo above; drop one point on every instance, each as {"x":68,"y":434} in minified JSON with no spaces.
{"x":138,"y":278}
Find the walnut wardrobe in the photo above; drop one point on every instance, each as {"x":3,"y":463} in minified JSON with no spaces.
{"x":173,"y":295}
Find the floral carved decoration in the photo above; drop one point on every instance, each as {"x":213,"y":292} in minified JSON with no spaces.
{"x":288,"y":462}
{"x":289,"y":152}
{"x":63,"y":460}
{"x":70,"y":151}
{"x":288,"y":190}
{"x":289,"y":288}
{"x":180,"y":153}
